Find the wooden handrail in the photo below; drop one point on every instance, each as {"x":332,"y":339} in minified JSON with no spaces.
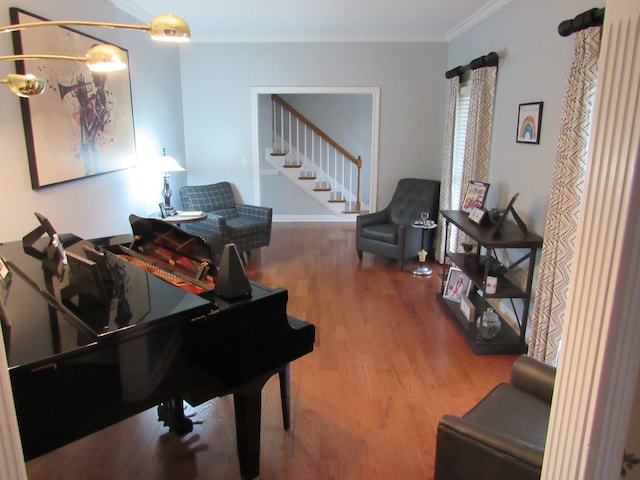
{"x":352,"y":158}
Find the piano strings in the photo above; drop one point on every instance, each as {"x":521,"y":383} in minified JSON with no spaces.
{"x":167,"y":276}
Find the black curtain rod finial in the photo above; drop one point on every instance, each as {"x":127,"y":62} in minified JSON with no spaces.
{"x":488,"y":60}
{"x":454,"y":72}
{"x":590,"y":18}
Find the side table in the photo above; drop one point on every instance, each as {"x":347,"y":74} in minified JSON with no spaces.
{"x":422,"y":269}
{"x":181,"y":217}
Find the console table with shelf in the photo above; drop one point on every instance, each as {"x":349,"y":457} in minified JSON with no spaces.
{"x":476,"y":266}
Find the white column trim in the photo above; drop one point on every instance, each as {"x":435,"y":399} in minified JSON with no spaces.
{"x":600,"y":354}
{"x":12,"y":465}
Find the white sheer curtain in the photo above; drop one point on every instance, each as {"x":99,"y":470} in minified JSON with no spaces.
{"x":565,"y":200}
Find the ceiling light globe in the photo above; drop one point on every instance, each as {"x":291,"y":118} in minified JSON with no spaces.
{"x":25,"y":85}
{"x":106,"y":58}
{"x":169,"y":28}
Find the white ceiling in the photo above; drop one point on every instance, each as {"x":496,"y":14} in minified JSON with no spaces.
{"x":326,"y":20}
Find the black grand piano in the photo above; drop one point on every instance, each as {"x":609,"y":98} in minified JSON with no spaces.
{"x":98,"y":331}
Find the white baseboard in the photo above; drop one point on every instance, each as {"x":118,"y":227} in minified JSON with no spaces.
{"x":314,"y":218}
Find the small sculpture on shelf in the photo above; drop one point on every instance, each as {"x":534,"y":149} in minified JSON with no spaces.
{"x":469,"y":247}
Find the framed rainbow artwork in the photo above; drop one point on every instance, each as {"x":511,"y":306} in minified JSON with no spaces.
{"x":529,"y":121}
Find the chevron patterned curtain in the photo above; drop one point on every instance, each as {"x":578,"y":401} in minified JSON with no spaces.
{"x":447,"y":164}
{"x":476,"y":151}
{"x":565,"y":199}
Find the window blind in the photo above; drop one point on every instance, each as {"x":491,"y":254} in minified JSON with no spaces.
{"x":459,"y":139}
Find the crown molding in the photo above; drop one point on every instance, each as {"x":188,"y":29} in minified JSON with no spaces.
{"x":387,"y":38}
{"x":472,"y":20}
{"x":132,"y":9}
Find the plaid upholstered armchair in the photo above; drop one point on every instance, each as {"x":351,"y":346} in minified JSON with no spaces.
{"x":247,"y":226}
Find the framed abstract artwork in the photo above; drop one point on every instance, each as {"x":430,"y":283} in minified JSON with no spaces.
{"x":529,"y":121}
{"x":82,"y":125}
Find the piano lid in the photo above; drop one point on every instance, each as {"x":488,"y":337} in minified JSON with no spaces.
{"x":165,"y":236}
{"x":102,"y":300}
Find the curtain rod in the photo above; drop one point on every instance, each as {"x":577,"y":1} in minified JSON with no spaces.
{"x":590,"y":18}
{"x":488,"y":60}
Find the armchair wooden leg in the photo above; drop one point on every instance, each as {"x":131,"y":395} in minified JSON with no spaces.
{"x":360,"y":254}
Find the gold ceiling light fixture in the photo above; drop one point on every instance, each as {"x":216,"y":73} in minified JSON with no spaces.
{"x":24,"y":85}
{"x":165,"y":27}
{"x":100,"y":58}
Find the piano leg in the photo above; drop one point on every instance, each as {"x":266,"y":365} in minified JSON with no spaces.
{"x":248,"y":404}
{"x":171,"y":414}
{"x":285,"y":395}
{"x":247,"y":401}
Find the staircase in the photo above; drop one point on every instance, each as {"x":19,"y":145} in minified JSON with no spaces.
{"x":313,"y":161}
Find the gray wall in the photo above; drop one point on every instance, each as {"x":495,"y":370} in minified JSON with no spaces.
{"x":218,"y":117}
{"x":98,"y":205}
{"x":534,"y":65}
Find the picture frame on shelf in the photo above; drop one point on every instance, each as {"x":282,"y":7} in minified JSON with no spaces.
{"x":529,"y":122}
{"x":516,"y":217}
{"x":479,"y":216}
{"x":475,"y":195}
{"x":468,"y":309}
{"x":457,"y":286}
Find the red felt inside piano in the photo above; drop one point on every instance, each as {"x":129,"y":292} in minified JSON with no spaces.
{"x":170,"y":277}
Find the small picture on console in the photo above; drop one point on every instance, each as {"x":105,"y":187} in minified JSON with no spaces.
{"x":475,"y":196}
{"x":457,"y":285}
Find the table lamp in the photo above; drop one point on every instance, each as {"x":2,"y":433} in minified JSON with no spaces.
{"x":167,"y":164}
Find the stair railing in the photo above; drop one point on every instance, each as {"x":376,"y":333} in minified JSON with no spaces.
{"x":339,"y":169}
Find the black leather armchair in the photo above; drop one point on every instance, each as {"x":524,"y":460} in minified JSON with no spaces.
{"x":389,"y":232}
{"x":504,"y":435}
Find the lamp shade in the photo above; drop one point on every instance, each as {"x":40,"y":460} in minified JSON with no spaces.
{"x":106,"y":58}
{"x":100,"y":58}
{"x":169,"y":28}
{"x":166,"y":163}
{"x":24,"y":85}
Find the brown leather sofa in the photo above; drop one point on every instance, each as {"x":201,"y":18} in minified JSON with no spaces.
{"x":389,"y":233}
{"x":503,"y":436}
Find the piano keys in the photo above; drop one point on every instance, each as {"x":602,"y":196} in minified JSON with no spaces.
{"x":114,"y":339}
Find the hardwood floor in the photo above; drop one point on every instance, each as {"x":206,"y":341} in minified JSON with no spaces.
{"x":387,"y":365}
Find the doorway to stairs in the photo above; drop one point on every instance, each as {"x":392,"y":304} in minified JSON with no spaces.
{"x":350,"y":114}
